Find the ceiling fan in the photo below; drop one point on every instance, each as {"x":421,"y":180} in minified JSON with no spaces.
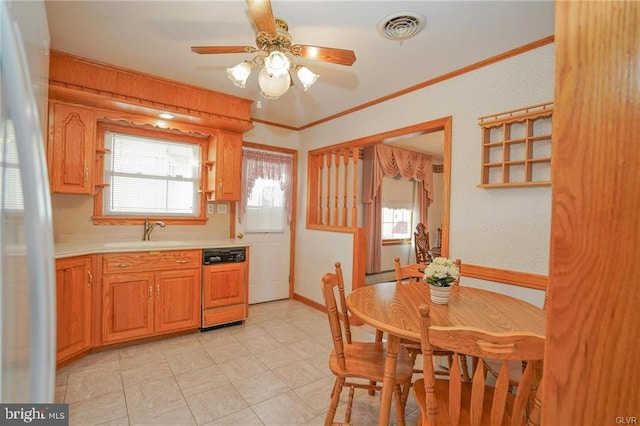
{"x":275,"y":54}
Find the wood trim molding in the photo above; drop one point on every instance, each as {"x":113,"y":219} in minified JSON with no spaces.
{"x":426,"y":126}
{"x":309,"y":302}
{"x":359,"y":259}
{"x":492,"y":60}
{"x":505,"y":276}
{"x":274,"y":124}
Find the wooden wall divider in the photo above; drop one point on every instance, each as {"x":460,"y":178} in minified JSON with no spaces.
{"x":505,"y":276}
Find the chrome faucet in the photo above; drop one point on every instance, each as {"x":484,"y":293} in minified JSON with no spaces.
{"x":149,"y":227}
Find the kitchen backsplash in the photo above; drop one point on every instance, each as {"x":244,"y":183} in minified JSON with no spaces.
{"x":72,"y":222}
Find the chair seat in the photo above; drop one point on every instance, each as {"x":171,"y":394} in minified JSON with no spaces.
{"x":515,"y":370}
{"x":442,"y":400}
{"x":366,"y":360}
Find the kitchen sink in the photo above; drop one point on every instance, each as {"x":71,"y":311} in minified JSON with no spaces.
{"x":145,"y":244}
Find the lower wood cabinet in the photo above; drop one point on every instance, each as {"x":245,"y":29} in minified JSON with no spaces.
{"x":151,"y":293}
{"x":74,"y":282}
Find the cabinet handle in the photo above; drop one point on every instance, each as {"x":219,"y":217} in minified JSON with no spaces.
{"x":86,"y":174}
{"x":182,"y":261}
{"x":158,"y":289}
{"x":122,"y":265}
{"x":150,"y":291}
{"x":90,"y":279}
{"x":220,"y":184}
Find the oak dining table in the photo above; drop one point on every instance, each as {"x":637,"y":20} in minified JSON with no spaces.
{"x":393,"y":309}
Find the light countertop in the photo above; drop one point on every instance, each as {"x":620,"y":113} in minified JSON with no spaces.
{"x":80,"y":248}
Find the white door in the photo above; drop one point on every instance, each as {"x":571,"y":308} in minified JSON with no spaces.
{"x":264,"y":225}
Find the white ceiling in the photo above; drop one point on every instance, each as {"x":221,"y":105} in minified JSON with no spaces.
{"x":155,"y":37}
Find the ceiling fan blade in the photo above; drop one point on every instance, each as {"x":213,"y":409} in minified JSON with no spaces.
{"x":325,"y":54}
{"x":262,"y":14}
{"x":206,"y":50}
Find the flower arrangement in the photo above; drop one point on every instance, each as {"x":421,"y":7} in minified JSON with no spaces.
{"x":442,"y":272}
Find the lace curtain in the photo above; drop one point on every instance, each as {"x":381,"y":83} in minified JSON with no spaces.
{"x":266,"y":165}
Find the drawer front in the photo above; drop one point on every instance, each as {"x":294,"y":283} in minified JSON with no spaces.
{"x":150,"y":261}
{"x":216,"y":316}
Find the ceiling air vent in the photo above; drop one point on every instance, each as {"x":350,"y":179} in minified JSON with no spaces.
{"x":401,"y":25}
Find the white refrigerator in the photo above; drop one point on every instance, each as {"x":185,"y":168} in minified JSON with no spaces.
{"x":27,"y":278}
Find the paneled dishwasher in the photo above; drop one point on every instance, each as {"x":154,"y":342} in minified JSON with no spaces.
{"x":224,"y":287}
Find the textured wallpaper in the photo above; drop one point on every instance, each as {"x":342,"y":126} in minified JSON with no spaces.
{"x":506,"y":228}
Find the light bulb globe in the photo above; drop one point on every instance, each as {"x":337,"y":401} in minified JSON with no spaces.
{"x":273,"y":86}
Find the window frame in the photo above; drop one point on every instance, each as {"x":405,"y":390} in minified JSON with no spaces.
{"x":398,"y":241}
{"x":100,"y":219}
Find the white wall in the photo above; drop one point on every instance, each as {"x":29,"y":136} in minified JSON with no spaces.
{"x":270,"y":135}
{"x":72,"y":222}
{"x":503,"y":228}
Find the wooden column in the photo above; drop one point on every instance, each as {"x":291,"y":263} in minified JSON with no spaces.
{"x":591,"y":369}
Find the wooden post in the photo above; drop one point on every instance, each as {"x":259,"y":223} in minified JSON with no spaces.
{"x":591,"y":367}
{"x":345,"y":162}
{"x":355,"y":152}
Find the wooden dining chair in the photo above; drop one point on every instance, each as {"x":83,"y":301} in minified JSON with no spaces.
{"x":414,"y":273}
{"x":421,"y":244}
{"x":453,"y":401}
{"x":357,"y":364}
{"x":516,"y":368}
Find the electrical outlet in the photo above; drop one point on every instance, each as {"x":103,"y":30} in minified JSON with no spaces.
{"x":221,"y":209}
{"x":209,"y":208}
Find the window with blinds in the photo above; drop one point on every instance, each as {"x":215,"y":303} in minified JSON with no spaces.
{"x":149,"y":176}
{"x":398,"y":205}
{"x":10,"y":180}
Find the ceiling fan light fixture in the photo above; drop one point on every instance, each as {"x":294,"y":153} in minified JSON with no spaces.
{"x":240,"y":73}
{"x":277,"y":63}
{"x":306,"y":76}
{"x":273,"y":86}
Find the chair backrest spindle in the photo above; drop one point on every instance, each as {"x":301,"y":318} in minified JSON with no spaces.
{"x":504,"y":347}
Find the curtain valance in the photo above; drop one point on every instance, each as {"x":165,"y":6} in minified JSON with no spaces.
{"x":393,"y":161}
{"x":266,"y":165}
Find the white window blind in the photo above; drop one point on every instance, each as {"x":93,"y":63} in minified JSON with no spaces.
{"x":398,"y":201}
{"x":148,"y":176}
{"x":10,"y":180}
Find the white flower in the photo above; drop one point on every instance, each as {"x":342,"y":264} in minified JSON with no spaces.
{"x":441,"y":272}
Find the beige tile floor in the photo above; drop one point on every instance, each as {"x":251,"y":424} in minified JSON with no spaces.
{"x":272,"y":370}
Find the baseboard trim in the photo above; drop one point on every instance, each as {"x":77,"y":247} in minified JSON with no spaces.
{"x":309,"y":302}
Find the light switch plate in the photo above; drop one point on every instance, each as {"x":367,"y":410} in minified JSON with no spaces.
{"x":221,"y":209}
{"x":209,"y":208}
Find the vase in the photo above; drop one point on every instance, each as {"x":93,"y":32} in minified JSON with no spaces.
{"x":439,"y":295}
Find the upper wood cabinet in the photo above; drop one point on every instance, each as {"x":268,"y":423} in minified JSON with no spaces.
{"x":70,"y":148}
{"x":73,"y":306}
{"x":224,"y":165}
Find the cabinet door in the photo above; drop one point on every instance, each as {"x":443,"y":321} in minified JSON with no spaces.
{"x":73,"y":306}
{"x":71,"y":148}
{"x":177,"y":296}
{"x":223,"y":285}
{"x":127,"y":310}
{"x":229,"y":167}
